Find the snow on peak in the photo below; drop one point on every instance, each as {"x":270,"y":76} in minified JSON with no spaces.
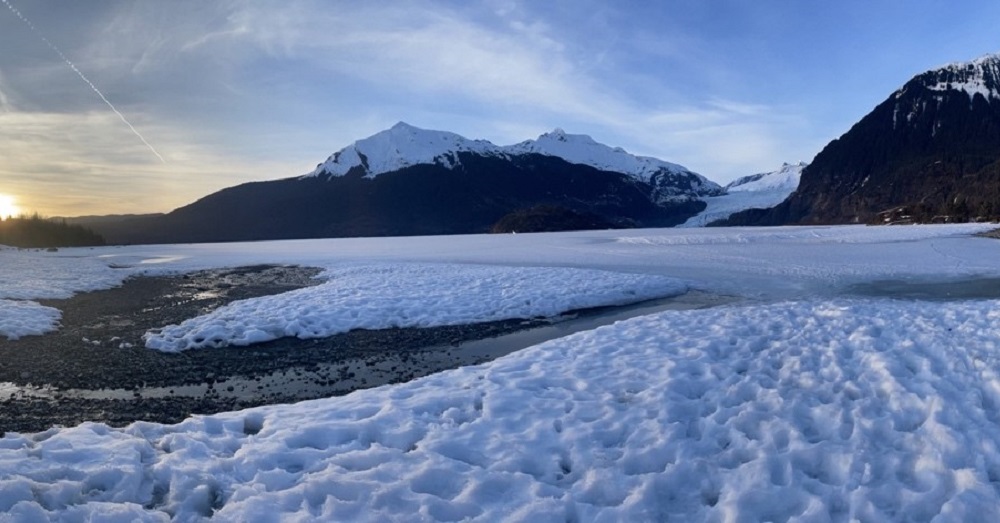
{"x":784,"y":179}
{"x":980,"y":76}
{"x":402,"y":145}
{"x":584,"y":150}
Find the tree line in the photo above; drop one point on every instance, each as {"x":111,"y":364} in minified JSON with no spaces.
{"x":35,"y":231}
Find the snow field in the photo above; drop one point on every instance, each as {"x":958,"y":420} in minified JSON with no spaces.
{"x":834,"y":236}
{"x":850,"y":410}
{"x":28,"y":275}
{"x":380,"y":296}
{"x":26,"y":318}
{"x":32,"y":275}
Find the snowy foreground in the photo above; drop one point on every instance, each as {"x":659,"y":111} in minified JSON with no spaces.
{"x":806,"y":402}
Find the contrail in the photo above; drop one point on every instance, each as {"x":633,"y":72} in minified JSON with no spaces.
{"x":81,"y":75}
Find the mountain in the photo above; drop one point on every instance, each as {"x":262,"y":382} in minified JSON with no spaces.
{"x":930,"y":151}
{"x":671,"y":183}
{"x":756,"y":191}
{"x":398,"y":147}
{"x":411,"y":181}
{"x":404,"y":145}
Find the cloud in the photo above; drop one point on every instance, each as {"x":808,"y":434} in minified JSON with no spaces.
{"x":233,"y":91}
{"x":517,"y":73}
{"x":5,"y":104}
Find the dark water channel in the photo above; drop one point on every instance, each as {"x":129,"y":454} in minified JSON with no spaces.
{"x":929,"y":290}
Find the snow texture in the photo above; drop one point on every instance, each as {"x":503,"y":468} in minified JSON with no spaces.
{"x":25,"y":318}
{"x":758,"y":191}
{"x":845,"y":410}
{"x":404,"y":145}
{"x":392,"y":295}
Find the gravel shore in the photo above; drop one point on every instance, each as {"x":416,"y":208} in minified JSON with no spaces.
{"x":995,"y":233}
{"x":95,"y":367}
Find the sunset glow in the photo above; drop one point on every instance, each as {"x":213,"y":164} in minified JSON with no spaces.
{"x":8,"y":208}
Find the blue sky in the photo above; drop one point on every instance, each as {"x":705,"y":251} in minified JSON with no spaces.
{"x":229,"y":92}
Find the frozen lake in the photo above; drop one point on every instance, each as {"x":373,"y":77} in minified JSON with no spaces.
{"x":856,"y":379}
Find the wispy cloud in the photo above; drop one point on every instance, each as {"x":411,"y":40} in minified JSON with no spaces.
{"x":518,"y":71}
{"x":5,"y":105}
{"x":232,"y":91}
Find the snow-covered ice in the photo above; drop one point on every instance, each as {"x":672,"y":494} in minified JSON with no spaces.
{"x":381,"y":296}
{"x":802,"y":403}
{"x":36,"y":275}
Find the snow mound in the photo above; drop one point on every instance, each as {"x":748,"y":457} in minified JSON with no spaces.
{"x":26,"y":318}
{"x":380,"y":296}
{"x":855,"y":410}
{"x":757,"y":191}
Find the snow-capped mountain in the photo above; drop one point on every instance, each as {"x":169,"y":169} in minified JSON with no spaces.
{"x":756,"y":191}
{"x":932,"y":147}
{"x":404,"y":145}
{"x":978,"y":77}
{"x":673,"y":182}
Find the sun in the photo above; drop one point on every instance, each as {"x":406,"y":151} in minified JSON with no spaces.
{"x":8,"y":209}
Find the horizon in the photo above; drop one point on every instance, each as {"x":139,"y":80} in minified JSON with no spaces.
{"x":94,"y":96}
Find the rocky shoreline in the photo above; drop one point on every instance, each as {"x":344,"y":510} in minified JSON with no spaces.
{"x":995,"y":233}
{"x":95,"y":367}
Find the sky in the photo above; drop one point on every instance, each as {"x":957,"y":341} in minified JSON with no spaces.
{"x":152,"y":105}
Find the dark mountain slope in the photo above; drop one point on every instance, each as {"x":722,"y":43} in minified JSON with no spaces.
{"x":468,"y":197}
{"x":933,"y":145}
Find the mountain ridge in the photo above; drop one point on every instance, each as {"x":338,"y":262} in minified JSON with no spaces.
{"x":404,"y":145}
{"x":932,"y":146}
